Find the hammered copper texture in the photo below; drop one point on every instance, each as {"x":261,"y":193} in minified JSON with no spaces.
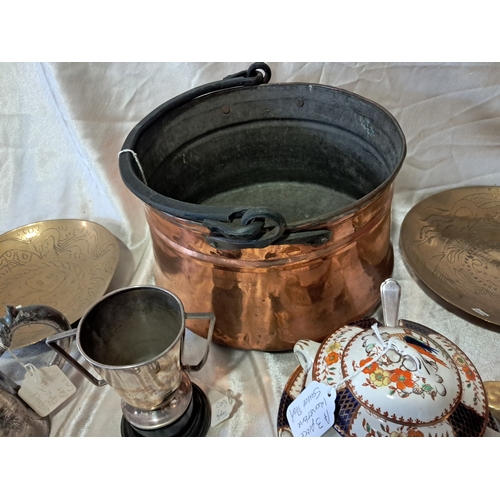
{"x":451,"y":240}
{"x":267,"y":299}
{"x":65,"y":264}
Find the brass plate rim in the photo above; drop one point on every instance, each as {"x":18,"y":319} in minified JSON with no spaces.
{"x":492,"y":388}
{"x":419,"y":261}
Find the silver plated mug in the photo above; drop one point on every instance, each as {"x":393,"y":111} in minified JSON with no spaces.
{"x":134,"y":339}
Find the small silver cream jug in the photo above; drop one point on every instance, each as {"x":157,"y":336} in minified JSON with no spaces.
{"x":16,"y":417}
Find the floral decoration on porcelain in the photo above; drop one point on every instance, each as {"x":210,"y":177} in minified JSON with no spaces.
{"x":389,"y":372}
{"x":332,"y":354}
{"x":400,"y":431}
{"x":394,"y":364}
{"x":473,"y":389}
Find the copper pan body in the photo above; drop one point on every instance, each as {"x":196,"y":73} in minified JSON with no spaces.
{"x":267,"y":299}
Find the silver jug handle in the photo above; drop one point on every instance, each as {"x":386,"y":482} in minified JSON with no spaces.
{"x":211,"y":318}
{"x":16,"y":317}
{"x":52,"y":343}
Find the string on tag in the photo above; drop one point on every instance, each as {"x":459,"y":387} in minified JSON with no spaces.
{"x":18,"y":360}
{"x":228,"y":393}
{"x":387,"y":346}
{"x":30,"y":368}
{"x":134,"y":154}
{"x":394,"y":344}
{"x":33,"y":371}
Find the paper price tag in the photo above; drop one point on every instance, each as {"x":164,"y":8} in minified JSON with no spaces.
{"x":44,"y":389}
{"x":312,"y":413}
{"x":221,"y":409}
{"x":221,"y":404}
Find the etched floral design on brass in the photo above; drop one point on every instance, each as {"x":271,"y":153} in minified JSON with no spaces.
{"x":66,"y":264}
{"x":452,"y":242}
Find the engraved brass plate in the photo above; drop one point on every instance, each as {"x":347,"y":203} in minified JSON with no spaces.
{"x":451,"y":240}
{"x":66,"y":264}
{"x":493,"y":393}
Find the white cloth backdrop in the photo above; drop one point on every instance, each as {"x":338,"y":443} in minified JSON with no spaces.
{"x":63,"y":124}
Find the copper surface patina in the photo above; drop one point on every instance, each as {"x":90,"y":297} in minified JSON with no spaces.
{"x":267,"y":299}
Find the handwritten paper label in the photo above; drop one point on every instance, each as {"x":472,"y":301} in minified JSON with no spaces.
{"x":221,"y":408}
{"x":221,"y":404}
{"x":312,"y":413}
{"x":45,"y":389}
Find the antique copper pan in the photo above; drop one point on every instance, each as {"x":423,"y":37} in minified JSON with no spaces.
{"x":268,"y":204}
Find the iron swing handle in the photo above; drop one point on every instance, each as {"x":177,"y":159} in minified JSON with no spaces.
{"x":230,"y":229}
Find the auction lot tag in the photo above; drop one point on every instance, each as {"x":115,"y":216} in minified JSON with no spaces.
{"x":44,"y":389}
{"x":312,"y":413}
{"x":222,"y":406}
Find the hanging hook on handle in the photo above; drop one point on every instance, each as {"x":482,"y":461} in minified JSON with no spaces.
{"x":254,"y":73}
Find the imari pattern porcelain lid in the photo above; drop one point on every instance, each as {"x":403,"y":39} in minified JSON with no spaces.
{"x":401,"y":375}
{"x":397,"y":381}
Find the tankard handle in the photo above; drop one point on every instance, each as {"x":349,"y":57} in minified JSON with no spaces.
{"x":52,"y":343}
{"x":211,"y":318}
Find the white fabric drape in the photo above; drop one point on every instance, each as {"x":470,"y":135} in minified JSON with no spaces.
{"x":63,"y":124}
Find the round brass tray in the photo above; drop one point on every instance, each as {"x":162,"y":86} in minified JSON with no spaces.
{"x":451,"y":240}
{"x":66,"y":264}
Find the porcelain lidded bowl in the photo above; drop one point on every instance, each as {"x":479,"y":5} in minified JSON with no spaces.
{"x":406,"y":380}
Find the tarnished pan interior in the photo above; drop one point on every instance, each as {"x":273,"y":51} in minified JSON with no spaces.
{"x":294,"y":200}
{"x":290,"y":146}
